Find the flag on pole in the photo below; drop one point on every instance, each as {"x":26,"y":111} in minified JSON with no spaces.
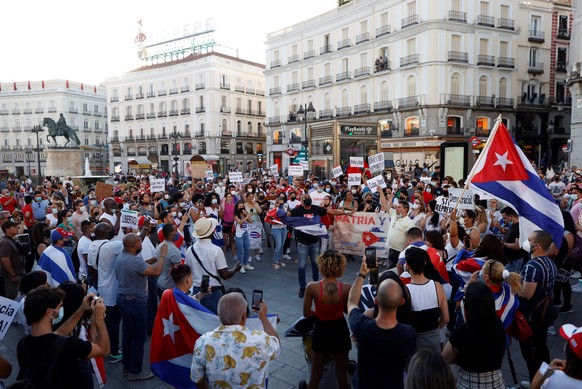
{"x":504,"y":172}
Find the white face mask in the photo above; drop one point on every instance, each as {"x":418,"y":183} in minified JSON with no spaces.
{"x":250,"y":190}
{"x":233,"y":192}
{"x":214,"y":201}
{"x":167,"y":197}
{"x":574,"y":196}
{"x":354,"y":191}
{"x":334,"y":182}
{"x":175,"y":214}
{"x":183,"y":204}
{"x":415,"y":206}
{"x":328,"y":190}
{"x":526,"y":246}
{"x":55,"y":211}
{"x":83,"y":209}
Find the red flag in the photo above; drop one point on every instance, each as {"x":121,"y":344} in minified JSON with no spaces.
{"x":94,"y":89}
{"x":15,"y":86}
{"x":369,"y":238}
{"x":42,"y":84}
{"x":67,"y":84}
{"x":81,"y":86}
{"x":28,"y":85}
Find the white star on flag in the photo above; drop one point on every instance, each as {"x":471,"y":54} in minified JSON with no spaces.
{"x":170,"y":327}
{"x":502,"y":160}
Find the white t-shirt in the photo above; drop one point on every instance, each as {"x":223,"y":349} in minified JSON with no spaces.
{"x":83,"y":248}
{"x":108,"y":252}
{"x":211,"y":256}
{"x":317,"y":197}
{"x":452,"y":253}
{"x":293,"y":204}
{"x":113,"y":219}
{"x":558,"y":380}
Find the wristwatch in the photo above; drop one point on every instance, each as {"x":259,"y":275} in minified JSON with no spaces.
{"x":361,"y":275}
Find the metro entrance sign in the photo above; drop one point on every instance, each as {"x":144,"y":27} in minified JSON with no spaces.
{"x":474,"y":140}
{"x":290,"y":152}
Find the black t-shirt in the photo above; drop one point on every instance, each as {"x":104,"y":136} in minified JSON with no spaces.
{"x":382,"y":354}
{"x":67,"y":367}
{"x":479,"y":354}
{"x":512,"y":236}
{"x":302,"y":237}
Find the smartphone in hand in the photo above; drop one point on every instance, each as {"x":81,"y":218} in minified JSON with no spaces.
{"x":370,"y":254}
{"x":205,"y":283}
{"x":257,"y":299}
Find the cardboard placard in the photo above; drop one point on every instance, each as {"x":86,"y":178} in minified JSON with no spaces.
{"x":354,"y":179}
{"x":157,"y":185}
{"x":129,"y":219}
{"x":235,"y":177}
{"x":8,"y":309}
{"x":444,"y":206}
{"x":295,"y":170}
{"x":199,"y":169}
{"x":337,"y":171}
{"x":357,"y":161}
{"x":376,"y":158}
{"x":103,"y":190}
{"x":374,"y":182}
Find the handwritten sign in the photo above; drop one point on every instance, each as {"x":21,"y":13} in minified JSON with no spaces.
{"x":209,"y":175}
{"x":157,"y":185}
{"x":375,"y":182}
{"x":235,"y":177}
{"x":8,"y":309}
{"x":466,"y":201}
{"x":354,"y":179}
{"x":376,"y":167}
{"x":304,"y":164}
{"x":103,"y":190}
{"x":357,"y":161}
{"x":337,"y":171}
{"x":129,"y":219}
{"x":376,"y":162}
{"x":295,"y":170}
{"x":274,"y":169}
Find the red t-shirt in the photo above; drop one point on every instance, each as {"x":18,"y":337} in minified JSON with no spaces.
{"x":28,"y":220}
{"x":8,"y":203}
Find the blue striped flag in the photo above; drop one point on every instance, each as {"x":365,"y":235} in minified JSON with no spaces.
{"x":57,"y":265}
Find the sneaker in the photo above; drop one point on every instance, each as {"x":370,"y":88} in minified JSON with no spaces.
{"x":115,"y":358}
{"x":249,"y":267}
{"x":577,"y":288}
{"x":144,"y":375}
{"x":276,"y":266}
{"x":551,"y":331}
{"x":260,"y":251}
{"x":524,"y":384}
{"x":234,"y":259}
{"x":287,"y":256}
{"x":258,"y":257}
{"x":242,"y":270}
{"x":565,"y":309}
{"x":576,"y":274}
{"x":301,"y":292}
{"x":282,"y":264}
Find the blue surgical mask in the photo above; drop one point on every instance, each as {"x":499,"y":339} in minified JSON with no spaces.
{"x":39,"y":199}
{"x":58,"y":319}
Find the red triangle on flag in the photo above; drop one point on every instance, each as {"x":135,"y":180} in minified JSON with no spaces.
{"x":369,"y":238}
{"x":502,"y":161}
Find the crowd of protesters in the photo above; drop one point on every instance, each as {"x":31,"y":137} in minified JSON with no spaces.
{"x":460,"y":285}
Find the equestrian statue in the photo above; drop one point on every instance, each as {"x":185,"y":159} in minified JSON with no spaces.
{"x":60,"y":128}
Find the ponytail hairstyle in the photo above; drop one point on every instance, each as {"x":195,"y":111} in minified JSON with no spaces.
{"x":497,"y":274}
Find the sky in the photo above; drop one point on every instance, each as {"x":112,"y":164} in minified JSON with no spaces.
{"x":92,"y":41}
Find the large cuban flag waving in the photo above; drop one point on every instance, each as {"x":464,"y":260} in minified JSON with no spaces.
{"x":179,"y":323}
{"x":504,"y":172}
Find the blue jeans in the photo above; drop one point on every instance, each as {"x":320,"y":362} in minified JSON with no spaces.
{"x":279,"y":235}
{"x":210,"y":301}
{"x":243,"y":248}
{"x":514,"y":266}
{"x":303,"y":251}
{"x":134,"y":315}
{"x":112,"y":322}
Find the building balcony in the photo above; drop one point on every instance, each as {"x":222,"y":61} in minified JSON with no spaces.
{"x":413,"y":131}
{"x":4,"y":147}
{"x":52,"y":109}
{"x":128,"y":97}
{"x":457,"y":16}
{"x":459,"y":100}
{"x":174,"y":112}
{"x":174,"y":91}
{"x":250,"y":91}
{"x":343,"y":111}
{"x":163,"y":136}
{"x":485,"y":20}
{"x":309,"y":54}
{"x":162,"y":92}
{"x":128,"y":117}
{"x":114,"y":118}
{"x":408,"y":102}
{"x":151,"y":94}
{"x":199,"y":134}
{"x":139,"y":96}
{"x":485,"y":60}
{"x":325,"y":80}
{"x":114,"y":99}
{"x":455,"y":130}
{"x":293,"y":87}
{"x":16,"y":129}
{"x":200,"y":85}
{"x":140,"y":137}
{"x":27,"y":111}
{"x":200,"y":109}
{"x":4,"y":129}
{"x":142,"y":153}
{"x":561,"y":67}
{"x":97,"y":113}
{"x":458,"y":56}
{"x":409,"y":60}
{"x":535,"y":67}
{"x":485,"y":101}
{"x":361,"y":109}
{"x":185,"y":88}
{"x":563,"y":34}
{"x":361,"y":72}
{"x":293,"y":59}
{"x":362,"y":38}
{"x":275,"y":64}
{"x":225,"y":86}
{"x":239,"y":88}
{"x":506,"y":24}
{"x":185,"y":111}
{"x":162,"y":114}
{"x":151,"y":115}
{"x":260,"y":113}
{"x":409,"y":21}
{"x":308,"y":84}
{"x":343,"y":76}
{"x":326,"y":113}
{"x":506,"y":62}
{"x":344,"y":43}
{"x":73,"y":110}
{"x":114,"y":139}
{"x":274,"y":120}
{"x":536,"y":36}
{"x":274,"y":91}
{"x":86,"y":112}
{"x":260,"y":92}
{"x":4,"y":112}
{"x":384,"y":105}
{"x":326,"y":49}
{"x":225,"y":109}
{"x":240,"y":111}
{"x":504,"y":102}
{"x":384,"y":30}
{"x":251,"y":112}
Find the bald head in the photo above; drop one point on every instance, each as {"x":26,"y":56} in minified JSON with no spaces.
{"x":129,"y":241}
{"x":389,"y":295}
{"x":232,"y":308}
{"x":102,"y":230}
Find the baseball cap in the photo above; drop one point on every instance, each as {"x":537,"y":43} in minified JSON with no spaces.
{"x":573,"y":335}
{"x":59,"y":233}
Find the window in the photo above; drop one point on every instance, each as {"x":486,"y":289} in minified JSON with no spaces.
{"x":536,"y":24}
{"x":85,"y":123}
{"x":259,"y":148}
{"x":484,"y":46}
{"x":411,"y":86}
{"x":411,"y":46}
{"x":504,"y":12}
{"x":563,"y":25}
{"x":454,"y":125}
{"x":411,"y":125}
{"x":456,"y":43}
{"x":86,"y":141}
{"x":249,"y":148}
{"x":483,"y":86}
{"x":502,"y":87}
{"x":455,"y":81}
{"x":503,"y":49}
{"x":277,"y":137}
{"x":97,"y":124}
{"x":456,"y":5}
{"x":363,"y":27}
{"x":411,"y":8}
{"x":384,"y":19}
{"x":482,"y":124}
{"x":484,"y":6}
{"x":383,"y":91}
{"x":533,"y":57}
{"x":363,"y":94}
{"x":239,"y":148}
{"x":224,"y":147}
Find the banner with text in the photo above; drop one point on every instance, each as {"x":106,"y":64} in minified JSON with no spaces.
{"x":337,"y":171}
{"x":354,"y":233}
{"x":354,"y":179}
{"x":295,"y":170}
{"x":376,"y":162}
{"x":8,"y":309}
{"x":467,"y":201}
{"x":129,"y":219}
{"x":235,"y":176}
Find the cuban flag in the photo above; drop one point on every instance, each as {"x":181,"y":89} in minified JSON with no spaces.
{"x":97,"y":364}
{"x":179,"y":323}
{"x":57,"y":265}
{"x":504,"y":172}
{"x":309,"y":224}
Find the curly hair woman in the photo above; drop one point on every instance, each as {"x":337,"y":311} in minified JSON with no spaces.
{"x":331,"y":334}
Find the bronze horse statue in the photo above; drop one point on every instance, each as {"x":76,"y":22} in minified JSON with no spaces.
{"x":55,"y":130}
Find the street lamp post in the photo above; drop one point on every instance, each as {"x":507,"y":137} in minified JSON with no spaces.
{"x":176,"y":135}
{"x":549,"y":153}
{"x":304,"y":137}
{"x":38,"y":129}
{"x":28,"y":156}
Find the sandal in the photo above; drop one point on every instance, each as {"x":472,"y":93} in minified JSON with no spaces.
{"x":276,"y":266}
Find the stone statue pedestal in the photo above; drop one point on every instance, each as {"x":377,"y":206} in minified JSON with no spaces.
{"x":62,"y":162}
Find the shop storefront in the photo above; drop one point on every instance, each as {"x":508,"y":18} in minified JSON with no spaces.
{"x":406,"y":153}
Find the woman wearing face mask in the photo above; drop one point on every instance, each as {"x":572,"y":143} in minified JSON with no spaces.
{"x":52,"y":218}
{"x":366,"y":205}
{"x":418,"y":211}
{"x":253,"y":208}
{"x":146,"y":208}
{"x":228,"y":206}
{"x":349,"y":203}
{"x":432,"y":220}
{"x":242,"y":220}
{"x":248,"y":189}
{"x":64,"y":222}
{"x":79,"y":215}
{"x":213,"y":209}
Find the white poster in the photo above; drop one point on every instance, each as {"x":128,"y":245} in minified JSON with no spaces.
{"x":337,"y":171}
{"x":157,"y":185}
{"x":304,"y":164}
{"x":466,"y":201}
{"x":376,"y":166}
{"x":8,"y":309}
{"x":357,"y":161}
{"x":354,"y":179}
{"x":209,"y":175}
{"x":235,"y":177}
{"x":129,"y":219}
{"x":274,"y":169}
{"x":296,"y":170}
{"x":374,"y":182}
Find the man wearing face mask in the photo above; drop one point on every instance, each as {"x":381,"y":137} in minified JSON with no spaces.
{"x":400,"y":223}
{"x":79,"y":215}
{"x":39,"y":206}
{"x":55,"y":261}
{"x":43,"y":308}
{"x":511,"y":246}
{"x":112,"y":216}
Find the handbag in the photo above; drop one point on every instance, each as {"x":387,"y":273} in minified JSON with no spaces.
{"x":520,"y":328}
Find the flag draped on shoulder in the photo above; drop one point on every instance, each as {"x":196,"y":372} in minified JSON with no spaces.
{"x":504,"y":172}
{"x":179,"y":323}
{"x":57,"y":265}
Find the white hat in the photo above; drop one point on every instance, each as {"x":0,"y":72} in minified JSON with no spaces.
{"x":204,"y":227}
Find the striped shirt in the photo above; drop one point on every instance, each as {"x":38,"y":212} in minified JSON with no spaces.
{"x":542,"y":271}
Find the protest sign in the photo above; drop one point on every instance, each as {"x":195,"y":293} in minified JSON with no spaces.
{"x":235,"y":177}
{"x":337,"y":171}
{"x":8,"y":309}
{"x":274,"y":169}
{"x":103,"y":190}
{"x":209,"y":175}
{"x":353,"y":233}
{"x":304,"y":164}
{"x":374,"y":182}
{"x":129,"y":219}
{"x":357,"y":161}
{"x":376,"y":167}
{"x":199,"y":168}
{"x":354,"y":179}
{"x":376,"y":162}
{"x":466,"y":201}
{"x":157,"y":185}
{"x":295,"y":170}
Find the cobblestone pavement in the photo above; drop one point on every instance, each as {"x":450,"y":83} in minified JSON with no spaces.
{"x":281,"y":294}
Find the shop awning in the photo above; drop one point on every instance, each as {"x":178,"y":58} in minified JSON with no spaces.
{"x":139,"y":161}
